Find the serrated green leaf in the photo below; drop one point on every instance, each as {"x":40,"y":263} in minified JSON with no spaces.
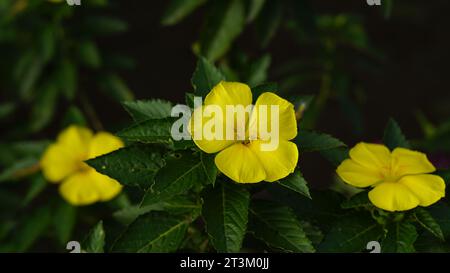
{"x":205,"y":77}
{"x":426,"y":220}
{"x":393,"y":136}
{"x":358,"y":200}
{"x":153,"y":232}
{"x":297,"y":183}
{"x":209,"y":167}
{"x":95,"y":241}
{"x":278,"y":226}
{"x":225,"y":211}
{"x":308,"y":141}
{"x":142,"y":110}
{"x":225,"y":22}
{"x":177,"y":10}
{"x":400,"y":238}
{"x":180,"y":173}
{"x":132,"y":166}
{"x":335,"y":156}
{"x":351,"y":233}
{"x":268,"y":21}
{"x":149,"y":131}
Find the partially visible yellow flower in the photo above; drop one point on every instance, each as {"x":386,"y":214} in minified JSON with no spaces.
{"x":400,"y":179}
{"x":62,"y":162}
{"x":242,"y":159}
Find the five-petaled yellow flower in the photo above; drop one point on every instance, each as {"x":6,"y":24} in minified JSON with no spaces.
{"x":243,"y":160}
{"x":63,"y":162}
{"x":401,"y":179}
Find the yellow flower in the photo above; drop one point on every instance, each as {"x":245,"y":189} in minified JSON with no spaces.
{"x":400,"y":179}
{"x":242,"y":159}
{"x":62,"y":162}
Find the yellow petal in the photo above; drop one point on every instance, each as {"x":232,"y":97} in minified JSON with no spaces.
{"x":405,"y":162}
{"x":107,"y":187}
{"x":358,"y":175}
{"x":58,"y":162}
{"x":287,"y":122}
{"x":371,"y":155}
{"x":76,"y":140}
{"x":103,"y":143}
{"x":80,"y":189}
{"x":229,"y":93}
{"x":393,"y":196}
{"x":239,"y":163}
{"x":278,"y":163}
{"x":88,"y":187}
{"x":426,"y":187}
{"x":207,"y":143}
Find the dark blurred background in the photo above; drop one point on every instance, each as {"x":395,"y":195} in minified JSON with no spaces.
{"x":411,"y":79}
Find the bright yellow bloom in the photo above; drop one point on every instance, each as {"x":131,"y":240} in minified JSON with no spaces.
{"x":400,"y":179}
{"x":242,"y":159}
{"x":62,"y":162}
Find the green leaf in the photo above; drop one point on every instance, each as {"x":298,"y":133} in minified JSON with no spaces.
{"x":177,"y":205}
{"x":257,"y":72}
{"x":356,"y":201}
{"x":38,"y":184}
{"x":64,"y":221}
{"x":149,"y":131}
{"x":142,"y":110}
{"x":153,"y":232}
{"x":400,"y":238}
{"x":225,"y":211}
{"x":335,"y":156}
{"x":95,"y":241}
{"x":44,"y":107}
{"x":393,"y":136}
{"x":308,"y":141}
{"x":177,"y":10}
{"x":132,"y":166}
{"x":47,"y":43}
{"x":116,"y":87}
{"x":209,"y":167}
{"x":67,"y":79}
{"x":73,"y":116}
{"x":205,"y":77}
{"x":180,"y":173}
{"x":426,"y":220}
{"x":89,"y":54}
{"x":33,"y":227}
{"x":268,"y":21}
{"x":297,"y":183}
{"x":225,"y":22}
{"x":104,"y":25}
{"x":254,"y":9}
{"x":351,"y":233}
{"x":278,"y":226}
{"x":265,"y":87}
{"x":18,"y":169}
